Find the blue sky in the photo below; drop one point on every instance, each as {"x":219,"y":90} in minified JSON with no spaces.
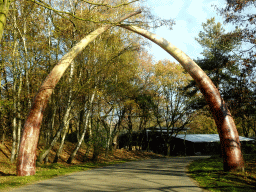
{"x":189,"y":16}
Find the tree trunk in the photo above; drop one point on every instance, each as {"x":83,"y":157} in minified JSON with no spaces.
{"x":50,"y":132}
{"x":72,"y":156}
{"x":64,"y":130}
{"x":67,"y":114}
{"x":80,"y":123}
{"x":23,"y":37}
{"x":168,"y":149}
{"x":108,"y":128}
{"x":130,"y":141}
{"x":3,"y":133}
{"x":14,"y":125}
{"x":14,"y":139}
{"x":109,"y":135}
{"x":19,"y":109}
{"x":62,"y":127}
{"x":2,"y":127}
{"x":7,"y":124}
{"x":4,"y":9}
{"x":26,"y":164}
{"x":15,"y":75}
{"x":229,"y":138}
{"x":96,"y":147}
{"x":117,"y":127}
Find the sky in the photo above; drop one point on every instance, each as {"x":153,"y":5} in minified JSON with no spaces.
{"x":189,"y":16}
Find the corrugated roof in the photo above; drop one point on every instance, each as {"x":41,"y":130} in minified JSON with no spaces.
{"x":200,"y":138}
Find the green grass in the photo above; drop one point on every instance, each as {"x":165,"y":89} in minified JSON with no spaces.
{"x":49,"y":171}
{"x":210,"y":175}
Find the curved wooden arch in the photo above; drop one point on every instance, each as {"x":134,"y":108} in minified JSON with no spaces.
{"x":231,"y":148}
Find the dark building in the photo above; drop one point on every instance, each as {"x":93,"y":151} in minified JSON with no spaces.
{"x":150,"y":139}
{"x":153,"y":139}
{"x":201,"y":144}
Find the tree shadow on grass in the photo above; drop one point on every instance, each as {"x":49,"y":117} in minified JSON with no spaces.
{"x":6,"y":174}
{"x":224,"y":181}
{"x":231,"y":188}
{"x":4,"y":153}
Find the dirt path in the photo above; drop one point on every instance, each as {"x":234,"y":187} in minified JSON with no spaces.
{"x":164,"y":174}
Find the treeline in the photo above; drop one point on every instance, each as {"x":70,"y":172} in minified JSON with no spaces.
{"x":114,"y":85}
{"x":111,"y":86}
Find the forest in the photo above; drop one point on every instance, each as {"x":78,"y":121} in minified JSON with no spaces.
{"x":114,"y":85}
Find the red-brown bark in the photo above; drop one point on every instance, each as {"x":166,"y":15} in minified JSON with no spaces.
{"x":26,"y":164}
{"x":229,"y":138}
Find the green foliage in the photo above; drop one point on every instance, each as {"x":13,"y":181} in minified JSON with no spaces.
{"x":5,"y":104}
{"x":219,"y":62}
{"x":222,"y":63}
{"x":249,"y":148}
{"x":4,"y":9}
{"x":213,"y":38}
{"x":173,"y":106}
{"x":202,"y":123}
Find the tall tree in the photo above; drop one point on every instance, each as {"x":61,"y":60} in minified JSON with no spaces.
{"x":202,"y":122}
{"x":173,"y":107}
{"x":219,"y":62}
{"x":241,"y":98}
{"x":238,"y":13}
{"x":241,"y":15}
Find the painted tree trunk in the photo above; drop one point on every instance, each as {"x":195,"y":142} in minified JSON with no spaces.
{"x":26,"y":163}
{"x":229,"y":138}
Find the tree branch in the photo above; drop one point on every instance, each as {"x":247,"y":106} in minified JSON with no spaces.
{"x":107,"y":5}
{"x":60,"y":13}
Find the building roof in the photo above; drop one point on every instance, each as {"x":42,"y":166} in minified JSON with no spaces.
{"x":164,"y":129}
{"x":206,"y":138}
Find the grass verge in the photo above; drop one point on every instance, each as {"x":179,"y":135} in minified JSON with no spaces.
{"x":210,"y":175}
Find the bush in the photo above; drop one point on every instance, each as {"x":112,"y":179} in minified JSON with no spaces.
{"x":249,"y":148}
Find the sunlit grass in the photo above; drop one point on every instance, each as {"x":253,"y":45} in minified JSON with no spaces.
{"x":210,"y":175}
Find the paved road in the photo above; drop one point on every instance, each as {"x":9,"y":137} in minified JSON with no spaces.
{"x":140,"y":176}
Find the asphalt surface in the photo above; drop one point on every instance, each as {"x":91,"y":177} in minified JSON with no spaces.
{"x":164,"y":174}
